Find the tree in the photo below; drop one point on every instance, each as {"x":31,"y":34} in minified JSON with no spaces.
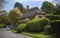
{"x":19,"y":6}
{"x":3,"y":15}
{"x":57,"y":8}
{"x":24,"y":9}
{"x":48,"y":7}
{"x":14,"y":15}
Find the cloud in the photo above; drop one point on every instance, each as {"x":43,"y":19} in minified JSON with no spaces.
{"x":28,"y":1}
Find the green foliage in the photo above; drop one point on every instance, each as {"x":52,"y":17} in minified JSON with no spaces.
{"x":47,"y":29}
{"x":19,"y":5}
{"x":24,"y":9}
{"x":3,"y":17}
{"x":53,"y":17}
{"x":31,"y":25}
{"x":55,"y":24}
{"x":15,"y":13}
{"x":37,"y":25}
{"x":37,"y":35}
{"x":1,"y":25}
{"x":48,"y":7}
{"x":20,"y":27}
{"x":57,"y":8}
{"x":43,"y":22}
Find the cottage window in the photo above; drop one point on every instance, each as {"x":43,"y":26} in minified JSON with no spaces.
{"x":40,"y":16}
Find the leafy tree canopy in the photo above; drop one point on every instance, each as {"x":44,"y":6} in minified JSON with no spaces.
{"x":14,"y":16}
{"x":15,"y":13}
{"x":19,"y":6}
{"x":57,"y":8}
{"x":48,"y":7}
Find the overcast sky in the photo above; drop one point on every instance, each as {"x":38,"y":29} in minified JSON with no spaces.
{"x":32,"y":3}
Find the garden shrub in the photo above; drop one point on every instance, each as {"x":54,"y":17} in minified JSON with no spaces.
{"x":47,"y":29}
{"x":55,"y":24}
{"x":53,"y":17}
{"x":37,"y":25}
{"x":1,"y":25}
{"x":20,"y":27}
{"x":42,"y":22}
{"x":31,"y":25}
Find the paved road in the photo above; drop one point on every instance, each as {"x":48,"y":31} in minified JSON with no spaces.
{"x":6,"y":33}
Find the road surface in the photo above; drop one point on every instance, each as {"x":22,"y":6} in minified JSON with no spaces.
{"x":6,"y":33}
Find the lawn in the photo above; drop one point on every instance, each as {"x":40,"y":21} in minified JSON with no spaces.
{"x":37,"y":35}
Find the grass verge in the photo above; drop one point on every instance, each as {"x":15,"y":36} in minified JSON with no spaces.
{"x":37,"y":35}
{"x":14,"y":31}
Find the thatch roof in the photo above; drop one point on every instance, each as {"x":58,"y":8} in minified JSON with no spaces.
{"x":32,"y":12}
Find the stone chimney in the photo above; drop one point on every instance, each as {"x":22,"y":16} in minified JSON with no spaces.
{"x":27,"y":7}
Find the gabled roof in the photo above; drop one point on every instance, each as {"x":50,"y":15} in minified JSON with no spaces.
{"x":32,"y":12}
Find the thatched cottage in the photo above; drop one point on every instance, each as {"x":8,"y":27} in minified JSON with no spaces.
{"x":32,"y":13}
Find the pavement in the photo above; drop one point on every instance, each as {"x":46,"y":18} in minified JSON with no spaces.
{"x":6,"y":33}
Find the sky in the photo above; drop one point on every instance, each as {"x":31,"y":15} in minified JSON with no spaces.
{"x":32,"y":3}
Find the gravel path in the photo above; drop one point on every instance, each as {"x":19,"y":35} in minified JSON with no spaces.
{"x":6,"y":33}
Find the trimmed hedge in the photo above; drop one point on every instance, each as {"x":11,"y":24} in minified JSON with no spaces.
{"x":1,"y":25}
{"x":47,"y":29}
{"x":37,"y":25}
{"x":31,"y":25}
{"x":55,"y":24}
{"x":53,"y":17}
{"x":20,"y":27}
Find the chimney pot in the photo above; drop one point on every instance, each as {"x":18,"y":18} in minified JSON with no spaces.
{"x":27,"y":7}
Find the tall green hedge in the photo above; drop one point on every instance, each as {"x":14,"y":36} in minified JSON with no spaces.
{"x":53,"y":17}
{"x":1,"y":25}
{"x":31,"y":25}
{"x":47,"y":29}
{"x":37,"y":25}
{"x":55,"y":24}
{"x":20,"y":27}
